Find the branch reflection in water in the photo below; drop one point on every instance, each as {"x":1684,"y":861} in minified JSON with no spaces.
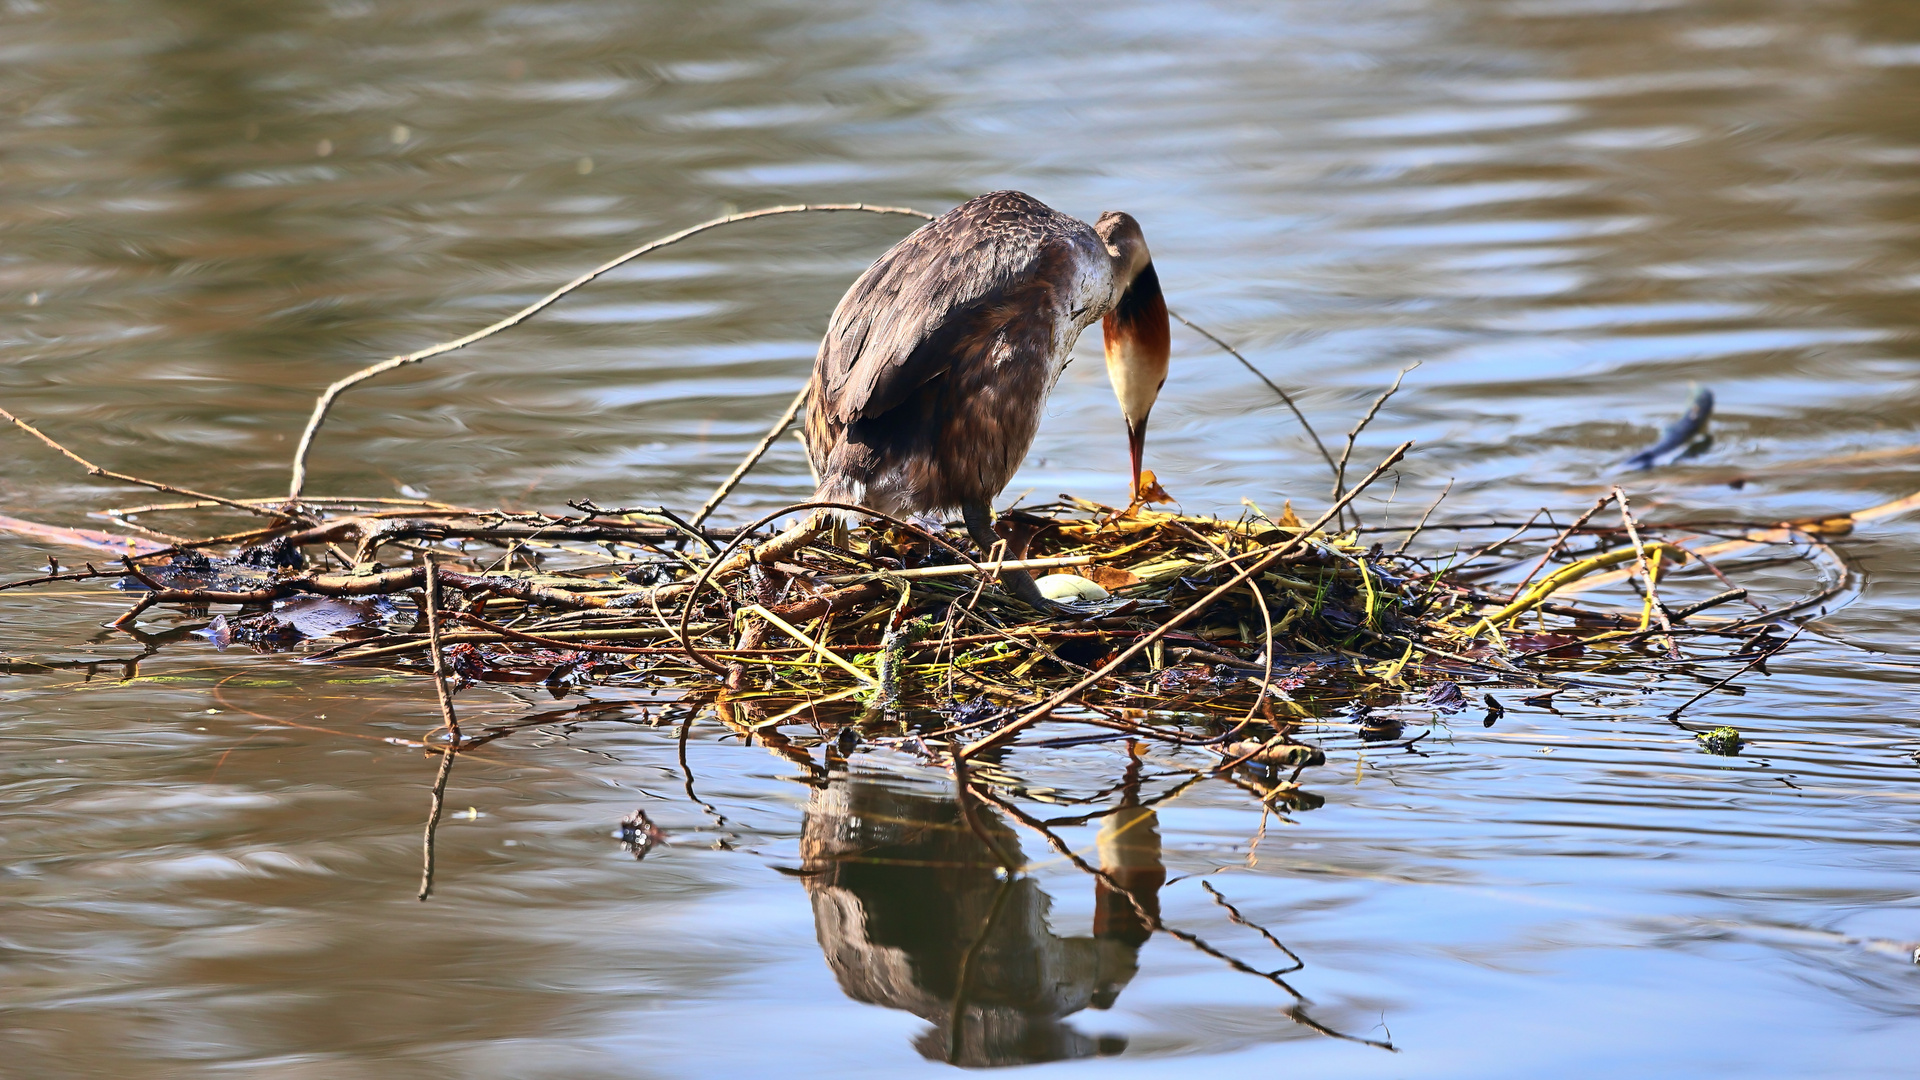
{"x":914,"y":911}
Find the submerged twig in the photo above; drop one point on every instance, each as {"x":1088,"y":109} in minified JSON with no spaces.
{"x":1674,"y":716}
{"x":447,"y":719}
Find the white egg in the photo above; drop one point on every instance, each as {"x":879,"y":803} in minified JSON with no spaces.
{"x":1069,"y":587}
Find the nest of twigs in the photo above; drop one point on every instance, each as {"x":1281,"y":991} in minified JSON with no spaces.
{"x":1237,"y":633}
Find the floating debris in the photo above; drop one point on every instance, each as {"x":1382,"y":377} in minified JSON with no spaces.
{"x":1684,"y":438}
{"x":1724,"y":741}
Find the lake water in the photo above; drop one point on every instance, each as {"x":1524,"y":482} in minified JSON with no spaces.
{"x":1566,"y":210}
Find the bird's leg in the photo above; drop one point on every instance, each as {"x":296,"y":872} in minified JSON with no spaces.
{"x":979,"y":519}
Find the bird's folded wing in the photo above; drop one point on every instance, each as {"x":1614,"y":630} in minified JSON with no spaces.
{"x":899,"y":324}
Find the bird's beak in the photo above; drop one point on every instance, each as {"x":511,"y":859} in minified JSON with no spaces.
{"x":1138,"y":345}
{"x":1136,"y":449}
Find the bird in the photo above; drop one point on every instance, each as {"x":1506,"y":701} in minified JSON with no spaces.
{"x":930,"y":382}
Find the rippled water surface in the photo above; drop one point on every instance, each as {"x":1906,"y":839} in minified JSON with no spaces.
{"x":1565,"y":210}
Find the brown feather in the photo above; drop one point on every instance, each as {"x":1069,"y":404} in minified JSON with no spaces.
{"x":928,"y":387}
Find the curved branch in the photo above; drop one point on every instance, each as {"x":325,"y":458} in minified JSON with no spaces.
{"x":327,"y":398}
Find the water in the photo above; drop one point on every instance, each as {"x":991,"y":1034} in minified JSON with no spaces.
{"x":1566,"y":210}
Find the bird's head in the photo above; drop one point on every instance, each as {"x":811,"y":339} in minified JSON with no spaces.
{"x":1138,"y":342}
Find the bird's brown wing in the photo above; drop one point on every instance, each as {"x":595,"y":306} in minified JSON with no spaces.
{"x":896,"y":328}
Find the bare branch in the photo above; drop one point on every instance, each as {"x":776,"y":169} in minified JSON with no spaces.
{"x":1340,"y":470}
{"x":327,"y":398}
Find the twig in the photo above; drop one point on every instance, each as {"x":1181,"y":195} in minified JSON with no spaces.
{"x":95,"y":470}
{"x":327,"y":398}
{"x":1554,"y":547}
{"x":1680,"y":614}
{"x":753,"y":458}
{"x":800,"y":636}
{"x":433,"y":821}
{"x":447,"y":720}
{"x":77,"y":575}
{"x":815,"y":522}
{"x":1273,"y":556}
{"x":1271,"y":385}
{"x":1462,"y":564}
{"x":432,"y":592}
{"x":960,"y":570}
{"x":1674,"y":716}
{"x":1340,"y":470}
{"x":962,"y":793}
{"x":1648,"y":570}
{"x":1234,"y":914}
{"x":1404,"y":544}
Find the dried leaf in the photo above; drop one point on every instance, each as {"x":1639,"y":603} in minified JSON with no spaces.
{"x":321,"y":616}
{"x":1446,"y":697}
{"x":1110,"y":577}
{"x":1150,"y":490}
{"x":1546,"y":644}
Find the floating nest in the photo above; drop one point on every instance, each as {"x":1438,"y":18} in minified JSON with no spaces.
{"x":1259,"y":636}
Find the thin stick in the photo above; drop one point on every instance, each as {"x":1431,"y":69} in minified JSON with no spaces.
{"x":432,"y":592}
{"x":1462,"y":564}
{"x":447,"y":719}
{"x":1674,"y":716}
{"x":798,"y":536}
{"x":1417,"y":529}
{"x":1340,"y":470}
{"x":1647,"y":571}
{"x":433,"y":822}
{"x":1234,"y":914}
{"x":920,"y":573}
{"x":327,"y":398}
{"x":1266,"y":621}
{"x":1039,"y":712}
{"x":1557,"y":541}
{"x":95,"y":470}
{"x":766,"y":442}
{"x":1271,"y":385}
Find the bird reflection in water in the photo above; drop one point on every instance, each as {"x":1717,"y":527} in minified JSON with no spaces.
{"x":913,"y":912}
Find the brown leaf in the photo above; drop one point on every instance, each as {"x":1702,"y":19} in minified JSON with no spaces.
{"x":1109,"y":577}
{"x":1150,"y":490}
{"x":1546,"y":644}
